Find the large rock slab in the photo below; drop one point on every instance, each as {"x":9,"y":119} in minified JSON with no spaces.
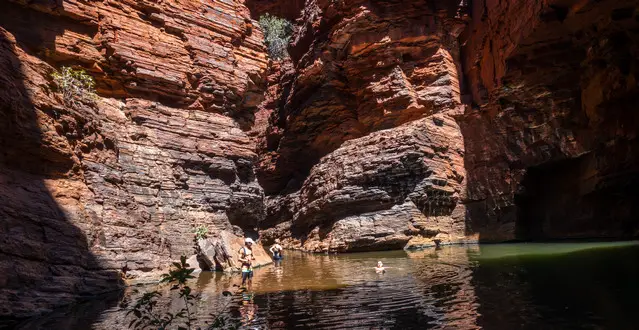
{"x":221,"y":253}
{"x":378,"y":192}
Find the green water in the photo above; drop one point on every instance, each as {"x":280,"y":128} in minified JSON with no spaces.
{"x":505,"y":286}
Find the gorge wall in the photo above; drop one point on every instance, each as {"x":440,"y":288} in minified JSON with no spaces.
{"x":551,"y":130}
{"x":543,"y":93}
{"x":362,"y":151}
{"x":91,"y":193}
{"x":392,"y":125}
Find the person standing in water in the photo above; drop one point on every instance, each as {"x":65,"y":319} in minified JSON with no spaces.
{"x":246,"y":258}
{"x":276,"y":250}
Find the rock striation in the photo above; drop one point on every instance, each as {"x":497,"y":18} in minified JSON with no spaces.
{"x":393,"y":124}
{"x":551,"y":138}
{"x":378,"y":192}
{"x":94,"y":193}
{"x":361,"y":151}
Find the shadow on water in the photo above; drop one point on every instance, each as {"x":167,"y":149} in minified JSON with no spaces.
{"x":45,"y":259}
{"x":507,"y":286}
{"x":557,"y":286}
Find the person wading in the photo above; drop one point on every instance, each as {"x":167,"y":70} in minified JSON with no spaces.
{"x":276,"y":250}
{"x":246,"y":258}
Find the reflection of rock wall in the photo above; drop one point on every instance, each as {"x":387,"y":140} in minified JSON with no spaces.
{"x":382,"y":76}
{"x":551,"y":146}
{"x":446,"y":276}
{"x":89,"y":191}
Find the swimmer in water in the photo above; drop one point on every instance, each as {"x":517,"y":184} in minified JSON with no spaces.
{"x":380,"y":267}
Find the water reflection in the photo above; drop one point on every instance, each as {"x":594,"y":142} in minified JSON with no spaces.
{"x":558,"y":286}
{"x":519,"y":286}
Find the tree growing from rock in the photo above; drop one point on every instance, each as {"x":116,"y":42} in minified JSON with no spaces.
{"x":277,"y":34}
{"x":75,"y":85}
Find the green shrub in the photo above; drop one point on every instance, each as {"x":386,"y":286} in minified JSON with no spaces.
{"x":201,"y":232}
{"x":277,"y":34}
{"x":75,"y":85}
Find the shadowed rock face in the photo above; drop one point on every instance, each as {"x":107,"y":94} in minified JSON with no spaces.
{"x":93,"y":193}
{"x":547,"y":127}
{"x":551,"y":149}
{"x":358,"y":67}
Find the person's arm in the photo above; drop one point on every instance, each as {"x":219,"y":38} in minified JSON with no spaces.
{"x":242,"y":257}
{"x":271,"y":249}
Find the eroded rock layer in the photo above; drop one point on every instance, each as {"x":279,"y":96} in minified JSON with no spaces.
{"x":93,"y":192}
{"x":378,"y":192}
{"x":374,"y":74}
{"x":551,"y":137}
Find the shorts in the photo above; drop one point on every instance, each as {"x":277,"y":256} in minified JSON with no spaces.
{"x":247,"y":275}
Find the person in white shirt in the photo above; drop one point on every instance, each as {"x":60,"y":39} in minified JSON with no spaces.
{"x":246,"y":258}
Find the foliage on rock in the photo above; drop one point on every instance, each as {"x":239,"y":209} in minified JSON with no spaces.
{"x":277,"y":34}
{"x":75,"y":85}
{"x":201,"y":232}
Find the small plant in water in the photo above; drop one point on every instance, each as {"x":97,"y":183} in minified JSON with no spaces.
{"x":75,"y":85}
{"x":201,"y":232}
{"x":147,"y":316}
{"x":277,"y":33}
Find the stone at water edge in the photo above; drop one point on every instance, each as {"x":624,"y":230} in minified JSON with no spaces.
{"x":221,"y":253}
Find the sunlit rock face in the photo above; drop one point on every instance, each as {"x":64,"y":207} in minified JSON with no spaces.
{"x":378,"y":192}
{"x":551,"y":134}
{"x":92,"y":194}
{"x":362,"y":151}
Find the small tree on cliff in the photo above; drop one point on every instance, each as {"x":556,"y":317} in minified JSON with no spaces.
{"x":75,"y":85}
{"x":277,"y":33}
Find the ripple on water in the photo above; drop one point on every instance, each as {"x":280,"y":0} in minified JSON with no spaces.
{"x":514,"y":286}
{"x":431,"y":290}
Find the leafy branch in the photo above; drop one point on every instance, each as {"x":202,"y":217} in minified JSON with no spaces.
{"x":146,"y":315}
{"x":277,"y":33}
{"x":75,"y":85}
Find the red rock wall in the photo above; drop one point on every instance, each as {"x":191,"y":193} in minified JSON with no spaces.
{"x":362,"y":151}
{"x":392,"y":124}
{"x":550,"y":136}
{"x":92,"y":192}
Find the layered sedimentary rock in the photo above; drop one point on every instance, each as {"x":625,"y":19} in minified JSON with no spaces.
{"x":383,"y":77}
{"x":95,"y":191}
{"x":378,"y":192}
{"x":551,"y":137}
{"x":392,"y":124}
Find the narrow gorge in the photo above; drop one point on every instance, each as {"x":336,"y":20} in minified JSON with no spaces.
{"x":390,"y":125}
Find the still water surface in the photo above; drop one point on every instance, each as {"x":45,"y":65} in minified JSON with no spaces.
{"x":505,"y":286}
